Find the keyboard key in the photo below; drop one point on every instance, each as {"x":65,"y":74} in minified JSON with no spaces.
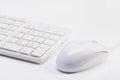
{"x":2,"y":37}
{"x":19,"y":35}
{"x":38,"y":39}
{"x":12,"y":46}
{"x":38,"y":52}
{"x":49,"y":42}
{"x":41,"y":34}
{"x":28,"y":37}
{"x":26,"y":50}
{"x":46,"y":35}
{"x":6,"y":32}
{"x":33,"y":32}
{"x":22,"y":42}
{"x":44,"y":46}
{"x":13,"y":40}
{"x":3,"y":25}
{"x":24,"y":30}
{"x":1,"y":44}
{"x":12,"y":27}
{"x":18,"y":23}
{"x":1,"y":29}
{"x":32,"y":44}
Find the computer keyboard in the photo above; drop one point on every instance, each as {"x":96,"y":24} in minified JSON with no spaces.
{"x":22,"y":40}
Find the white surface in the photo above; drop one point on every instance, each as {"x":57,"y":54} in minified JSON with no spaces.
{"x":88,"y":19}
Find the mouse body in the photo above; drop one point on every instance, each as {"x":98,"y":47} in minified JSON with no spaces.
{"x":78,"y":56}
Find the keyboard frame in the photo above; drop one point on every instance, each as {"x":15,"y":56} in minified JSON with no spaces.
{"x":29,"y":58}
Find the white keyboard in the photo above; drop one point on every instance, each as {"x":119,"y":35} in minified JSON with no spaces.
{"x":19,"y":39}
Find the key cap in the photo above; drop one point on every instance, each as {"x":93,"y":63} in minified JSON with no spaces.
{"x":19,"y":35}
{"x":13,"y":40}
{"x":28,"y":37}
{"x":49,"y":42}
{"x":6,"y":32}
{"x":1,"y":44}
{"x":24,"y":30}
{"x":22,"y":42}
{"x":41,"y":34}
{"x":46,"y":35}
{"x":2,"y":37}
{"x":44,"y":46}
{"x":3,"y":25}
{"x":32,"y":44}
{"x":12,"y":27}
{"x":26,"y":50}
{"x":33,"y":32}
{"x":1,"y":29}
{"x":18,"y":19}
{"x":38,"y":39}
{"x":38,"y":52}
{"x":12,"y":46}
{"x":18,"y":23}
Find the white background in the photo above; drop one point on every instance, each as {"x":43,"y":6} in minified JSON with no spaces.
{"x":88,"y":19}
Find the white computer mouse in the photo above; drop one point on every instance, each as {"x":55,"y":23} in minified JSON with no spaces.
{"x":77,"y":56}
